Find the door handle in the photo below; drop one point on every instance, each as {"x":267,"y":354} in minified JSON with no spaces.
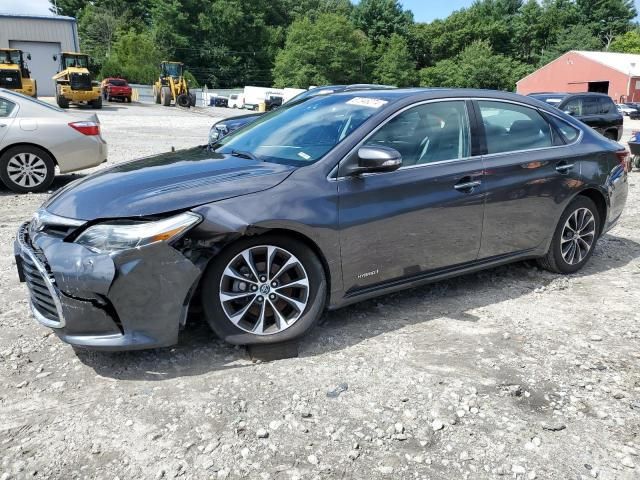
{"x":564,"y":167}
{"x":467,"y":185}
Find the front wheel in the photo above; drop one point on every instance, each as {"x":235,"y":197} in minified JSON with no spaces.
{"x":26,"y":168}
{"x":262,"y":290}
{"x":97,"y":103}
{"x":575,"y":237}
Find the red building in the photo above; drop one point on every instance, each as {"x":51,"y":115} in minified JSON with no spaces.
{"x":616,"y":74}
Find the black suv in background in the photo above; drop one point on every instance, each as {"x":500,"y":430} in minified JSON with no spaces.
{"x":595,"y":109}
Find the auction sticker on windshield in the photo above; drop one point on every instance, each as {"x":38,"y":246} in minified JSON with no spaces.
{"x":367,"y":102}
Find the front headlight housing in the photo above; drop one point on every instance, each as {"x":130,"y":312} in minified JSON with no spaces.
{"x":115,"y":236}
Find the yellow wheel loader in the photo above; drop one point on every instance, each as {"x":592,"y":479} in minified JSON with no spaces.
{"x":171,"y":86}
{"x":14,"y":74}
{"x":74,"y":82}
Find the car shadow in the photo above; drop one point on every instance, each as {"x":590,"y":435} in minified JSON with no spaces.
{"x":59,"y":181}
{"x":199,"y":351}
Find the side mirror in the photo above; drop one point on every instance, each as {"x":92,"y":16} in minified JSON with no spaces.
{"x":374,"y":159}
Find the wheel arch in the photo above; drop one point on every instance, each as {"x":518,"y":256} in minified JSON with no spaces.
{"x":29,"y":144}
{"x":602,"y":204}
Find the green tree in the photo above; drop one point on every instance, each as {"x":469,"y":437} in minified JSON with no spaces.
{"x":327,"y":50}
{"x":135,"y":56}
{"x":627,"y":43}
{"x":70,"y":8}
{"x":98,"y":28}
{"x":379,"y":19}
{"x":607,"y":18}
{"x":395,"y":65}
{"x":577,"y":37}
{"x":477,"y":66}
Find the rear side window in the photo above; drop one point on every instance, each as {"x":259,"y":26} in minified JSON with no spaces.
{"x":510,"y":127}
{"x":6,"y":107}
{"x":590,"y":106}
{"x":607,"y":105}
{"x":569,"y":132}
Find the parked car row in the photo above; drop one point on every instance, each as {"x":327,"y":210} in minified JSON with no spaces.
{"x":328,"y":200}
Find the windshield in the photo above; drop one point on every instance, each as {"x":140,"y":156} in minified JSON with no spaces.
{"x":76,"y":61}
{"x":303,"y":132}
{"x":118,"y":83}
{"x":171,"y":69}
{"x":10,"y":56}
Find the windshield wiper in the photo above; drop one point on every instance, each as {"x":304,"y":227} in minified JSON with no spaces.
{"x":244,"y":154}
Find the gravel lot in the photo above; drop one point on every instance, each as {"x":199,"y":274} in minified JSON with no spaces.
{"x":509,"y":373}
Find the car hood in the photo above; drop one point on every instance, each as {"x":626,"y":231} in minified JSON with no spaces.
{"x":164,"y":183}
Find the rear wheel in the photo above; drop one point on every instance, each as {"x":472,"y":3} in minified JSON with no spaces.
{"x":165,"y":96}
{"x":262,"y":290}
{"x":26,"y":168}
{"x":183,"y":100}
{"x":97,"y":103}
{"x":156,"y":94}
{"x":192,"y":99}
{"x":60,"y":100}
{"x":575,"y":237}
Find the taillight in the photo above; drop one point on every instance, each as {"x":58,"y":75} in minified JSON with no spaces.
{"x":86,"y":128}
{"x":623,"y":158}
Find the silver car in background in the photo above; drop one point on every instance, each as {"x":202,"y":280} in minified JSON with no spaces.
{"x":36,"y":137}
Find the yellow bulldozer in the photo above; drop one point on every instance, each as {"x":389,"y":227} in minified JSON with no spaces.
{"x":14,"y":74}
{"x":74,"y":82}
{"x":171,"y":86}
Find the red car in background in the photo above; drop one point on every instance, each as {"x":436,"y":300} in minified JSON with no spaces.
{"x":116,"y":88}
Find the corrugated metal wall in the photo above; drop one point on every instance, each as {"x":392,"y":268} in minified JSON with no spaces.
{"x":36,"y":29}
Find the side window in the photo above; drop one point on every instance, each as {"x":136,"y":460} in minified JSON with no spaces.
{"x":573,"y":106}
{"x":509,"y":127}
{"x":590,"y":106}
{"x":6,"y":107}
{"x":428,"y":133}
{"x":569,"y":132}
{"x":607,"y":105}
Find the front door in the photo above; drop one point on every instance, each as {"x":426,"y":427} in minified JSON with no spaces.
{"x":425,"y":216}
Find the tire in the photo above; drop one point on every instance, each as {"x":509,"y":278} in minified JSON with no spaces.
{"x":165,"y":96}
{"x":554,"y":260}
{"x":42,"y":169}
{"x":35,"y":89}
{"x":128,"y":99}
{"x":636,"y":161}
{"x":312,"y":297}
{"x":96,"y":104}
{"x":192,"y":99}
{"x":156,"y":94}
{"x":183,"y":100}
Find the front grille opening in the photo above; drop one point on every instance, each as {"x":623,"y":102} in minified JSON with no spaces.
{"x":80,"y":81}
{"x":41,"y":297}
{"x":10,"y":79}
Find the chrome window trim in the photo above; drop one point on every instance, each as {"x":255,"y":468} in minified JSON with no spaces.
{"x":334,"y":170}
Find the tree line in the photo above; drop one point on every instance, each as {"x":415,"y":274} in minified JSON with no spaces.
{"x":298,"y":43}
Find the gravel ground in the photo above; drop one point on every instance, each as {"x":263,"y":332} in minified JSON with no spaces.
{"x":509,"y":373}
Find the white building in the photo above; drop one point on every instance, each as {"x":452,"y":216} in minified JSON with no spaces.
{"x":42,"y":37}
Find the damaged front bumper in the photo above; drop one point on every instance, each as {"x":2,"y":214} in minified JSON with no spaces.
{"x":126,"y":300}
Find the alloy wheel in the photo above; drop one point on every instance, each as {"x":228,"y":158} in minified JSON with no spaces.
{"x":27,"y":170}
{"x":264,"y":290}
{"x":578,"y":235}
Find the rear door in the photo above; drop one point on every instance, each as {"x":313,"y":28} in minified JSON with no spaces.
{"x":529,"y":172}
{"x":423,"y":217}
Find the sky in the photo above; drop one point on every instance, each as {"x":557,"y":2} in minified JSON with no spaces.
{"x":423,"y":10}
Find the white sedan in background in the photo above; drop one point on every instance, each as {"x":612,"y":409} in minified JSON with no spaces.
{"x":36,"y":137}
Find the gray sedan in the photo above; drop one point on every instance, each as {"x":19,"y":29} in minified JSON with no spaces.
{"x":35,"y":137}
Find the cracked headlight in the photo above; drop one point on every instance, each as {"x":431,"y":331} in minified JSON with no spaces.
{"x":111,"y":237}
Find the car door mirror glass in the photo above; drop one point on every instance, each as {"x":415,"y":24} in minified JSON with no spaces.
{"x":373,"y":159}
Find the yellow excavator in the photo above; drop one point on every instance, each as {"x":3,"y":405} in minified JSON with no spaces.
{"x":171,"y":86}
{"x":14,"y":74}
{"x":74,"y":82}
